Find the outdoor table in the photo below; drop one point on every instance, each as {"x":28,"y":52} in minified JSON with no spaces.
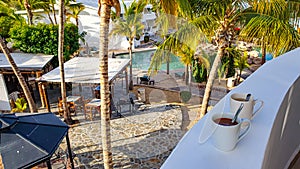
{"x":93,"y":104}
{"x":274,"y":138}
{"x":73,"y":98}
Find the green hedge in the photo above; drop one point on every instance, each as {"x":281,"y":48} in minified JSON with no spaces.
{"x":43,"y":38}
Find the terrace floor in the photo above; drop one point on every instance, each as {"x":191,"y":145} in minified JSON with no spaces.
{"x":140,"y":139}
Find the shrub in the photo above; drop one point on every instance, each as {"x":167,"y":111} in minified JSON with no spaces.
{"x":43,"y":38}
{"x":21,"y":105}
{"x":185,"y":96}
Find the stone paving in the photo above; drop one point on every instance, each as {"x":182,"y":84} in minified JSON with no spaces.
{"x":140,"y":139}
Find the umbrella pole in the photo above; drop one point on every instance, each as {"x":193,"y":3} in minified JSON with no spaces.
{"x":69,"y":150}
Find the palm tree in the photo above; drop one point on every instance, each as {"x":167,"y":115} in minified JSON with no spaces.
{"x":167,"y":12}
{"x":28,"y":10}
{"x":130,"y":26}
{"x":273,"y":20}
{"x":18,"y":74}
{"x":47,"y":10}
{"x":67,"y":116}
{"x":48,"y":7}
{"x":30,"y":5}
{"x":224,"y":17}
{"x":75,"y":9}
{"x":217,"y":20}
{"x":172,"y":41}
{"x":104,"y":11}
{"x":163,"y":23}
{"x":8,"y":18}
{"x":52,"y":3}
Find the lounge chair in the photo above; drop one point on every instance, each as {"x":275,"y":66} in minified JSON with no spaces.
{"x":145,"y":79}
{"x":180,"y":74}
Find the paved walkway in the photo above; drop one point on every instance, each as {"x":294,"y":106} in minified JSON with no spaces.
{"x":140,"y":139}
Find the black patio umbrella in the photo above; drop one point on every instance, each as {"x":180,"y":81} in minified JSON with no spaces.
{"x":30,"y":139}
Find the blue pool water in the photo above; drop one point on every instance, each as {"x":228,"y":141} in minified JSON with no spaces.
{"x":141,"y":60}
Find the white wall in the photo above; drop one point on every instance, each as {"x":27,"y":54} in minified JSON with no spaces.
{"x":4,"y":101}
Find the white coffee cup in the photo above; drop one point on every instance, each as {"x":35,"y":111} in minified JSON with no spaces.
{"x":247,"y":112}
{"x":226,"y":137}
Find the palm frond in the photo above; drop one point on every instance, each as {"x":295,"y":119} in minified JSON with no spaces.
{"x":185,"y":8}
{"x":278,"y":34}
{"x":157,"y":59}
{"x":204,"y":59}
{"x":163,"y":23}
{"x":211,"y":7}
{"x":207,"y":24}
{"x":274,"y":8}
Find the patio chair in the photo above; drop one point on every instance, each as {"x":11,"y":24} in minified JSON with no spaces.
{"x":90,"y":111}
{"x":113,"y":108}
{"x":136,"y":104}
{"x":71,"y":107}
{"x":60,"y":107}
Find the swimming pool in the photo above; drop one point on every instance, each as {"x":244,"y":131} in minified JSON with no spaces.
{"x":141,"y":60}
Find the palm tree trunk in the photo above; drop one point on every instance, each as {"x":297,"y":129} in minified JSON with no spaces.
{"x":105,"y":93}
{"x":67,"y":116}
{"x":77,"y":22}
{"x":186,"y":75}
{"x":168,"y":63}
{"x":209,"y":84}
{"x":130,"y":68}
{"x":239,"y":77}
{"x":29,"y":12}
{"x":263,"y":53}
{"x":54,"y":13}
{"x":168,"y":59}
{"x":18,"y":74}
{"x":190,"y":76}
{"x":50,"y":18}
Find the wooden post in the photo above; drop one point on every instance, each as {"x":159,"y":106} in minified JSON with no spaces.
{"x":126,"y":81}
{"x":46,"y":97}
{"x":1,"y":162}
{"x":112,"y":89}
{"x":42,"y":96}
